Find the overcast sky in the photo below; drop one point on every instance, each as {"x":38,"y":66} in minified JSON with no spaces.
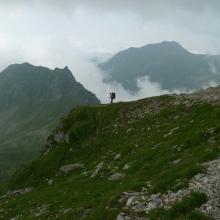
{"x":69,"y":33}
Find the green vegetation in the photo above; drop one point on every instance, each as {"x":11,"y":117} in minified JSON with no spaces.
{"x":32,"y":100}
{"x":186,"y":209}
{"x":149,"y":135}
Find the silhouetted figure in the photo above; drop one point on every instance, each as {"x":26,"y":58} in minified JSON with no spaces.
{"x":112,"y":96}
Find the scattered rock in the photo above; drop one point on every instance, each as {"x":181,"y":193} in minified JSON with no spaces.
{"x":156,"y":146}
{"x":117,"y":156}
{"x":59,"y":137}
{"x":126,"y":166}
{"x":207,"y":183}
{"x":71,"y":167}
{"x":50,"y":182}
{"x":65,"y":211}
{"x":176,"y":161}
{"x":129,"y":130}
{"x":212,"y":140}
{"x":40,"y":210}
{"x":171,"y":132}
{"x":97,"y":170}
{"x":19,"y":192}
{"x":130,"y":201}
{"x":47,"y":151}
{"x":120,"y":217}
{"x":211,"y":131}
{"x":116,"y":176}
{"x":174,"y":147}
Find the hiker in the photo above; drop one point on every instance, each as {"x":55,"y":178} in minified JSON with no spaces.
{"x":112,"y":96}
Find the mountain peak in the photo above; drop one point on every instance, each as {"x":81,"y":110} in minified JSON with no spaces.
{"x":66,"y":69}
{"x":32,"y":100}
{"x":27,"y":66}
{"x":171,"y":43}
{"x":162,"y":45}
{"x":166,"y":45}
{"x":166,"y":63}
{"x":27,"y":78}
{"x":20,"y":67}
{"x":17,"y":65}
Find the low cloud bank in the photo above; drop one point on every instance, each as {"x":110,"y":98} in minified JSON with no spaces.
{"x":92,"y":78}
{"x":49,"y":53}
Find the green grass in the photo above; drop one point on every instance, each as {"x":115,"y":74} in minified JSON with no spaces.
{"x":97,"y":134}
{"x":184,"y":210}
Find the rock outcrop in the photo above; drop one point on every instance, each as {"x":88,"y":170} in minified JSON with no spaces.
{"x":116,"y":176}
{"x":71,"y":167}
{"x":208,"y":183}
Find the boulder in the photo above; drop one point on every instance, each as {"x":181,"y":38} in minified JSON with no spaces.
{"x":117,"y":156}
{"x":71,"y":167}
{"x":50,"y":182}
{"x":126,"y":166}
{"x":97,"y":170}
{"x":120,"y":217}
{"x":116,"y":176}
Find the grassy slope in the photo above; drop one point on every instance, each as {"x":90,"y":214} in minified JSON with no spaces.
{"x":138,"y":131}
{"x":32,"y":101}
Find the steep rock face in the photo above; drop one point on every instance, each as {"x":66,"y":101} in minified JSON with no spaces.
{"x":166,"y":63}
{"x":32,"y":100}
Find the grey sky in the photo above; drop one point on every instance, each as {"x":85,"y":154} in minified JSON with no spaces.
{"x":67,"y":32}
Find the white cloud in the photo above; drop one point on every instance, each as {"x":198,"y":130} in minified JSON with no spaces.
{"x":70,"y":32}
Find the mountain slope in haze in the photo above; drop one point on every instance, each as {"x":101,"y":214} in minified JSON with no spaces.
{"x":126,"y":161}
{"x":167,"y":63}
{"x":32,"y":99}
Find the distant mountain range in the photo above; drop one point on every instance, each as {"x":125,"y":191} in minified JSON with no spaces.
{"x":32,"y":100}
{"x":167,"y":63}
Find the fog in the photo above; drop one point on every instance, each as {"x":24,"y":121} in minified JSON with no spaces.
{"x":73,"y":33}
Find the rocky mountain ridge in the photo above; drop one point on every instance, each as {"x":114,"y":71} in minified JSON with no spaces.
{"x":32,"y":100}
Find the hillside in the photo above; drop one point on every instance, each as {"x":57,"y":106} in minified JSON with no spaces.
{"x":167,"y":63}
{"x":156,"y":158}
{"x":32,"y":100}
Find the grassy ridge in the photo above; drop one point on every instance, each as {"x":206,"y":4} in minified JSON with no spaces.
{"x":149,"y":135}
